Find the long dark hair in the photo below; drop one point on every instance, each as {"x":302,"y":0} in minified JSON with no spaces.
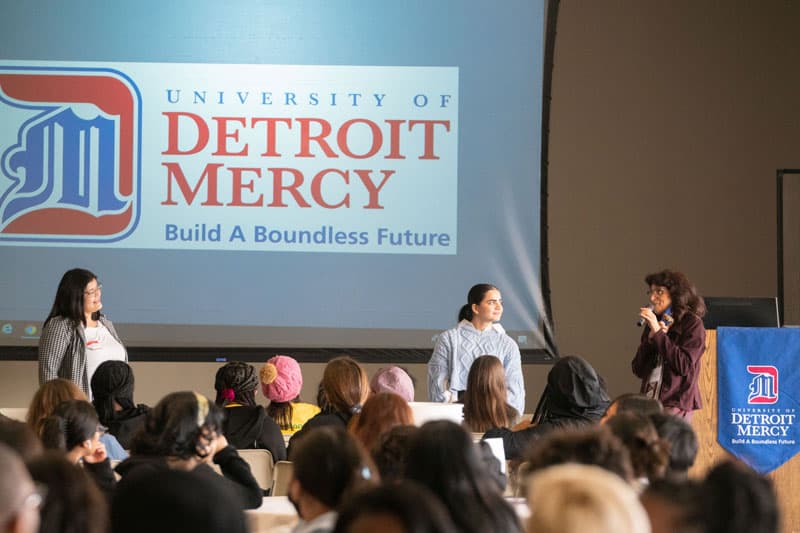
{"x":69,"y":296}
{"x":112,"y":382}
{"x":73,"y":503}
{"x":445,"y":460}
{"x":72,"y":423}
{"x":474,"y":296}
{"x":681,"y":291}
{"x":173,"y":428}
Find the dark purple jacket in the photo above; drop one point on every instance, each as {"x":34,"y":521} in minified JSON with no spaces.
{"x":682,"y":346}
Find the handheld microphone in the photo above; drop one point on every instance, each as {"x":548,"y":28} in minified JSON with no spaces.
{"x":641,"y":321}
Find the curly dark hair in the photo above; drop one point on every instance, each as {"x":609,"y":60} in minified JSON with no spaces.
{"x":681,"y":291}
{"x":239,"y":377}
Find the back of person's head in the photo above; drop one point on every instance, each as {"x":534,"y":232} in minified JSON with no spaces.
{"x":444,"y":458}
{"x":390,"y":453}
{"x":345,"y":384}
{"x":176,"y":424}
{"x":328,"y":463}
{"x":736,"y":499}
{"x":682,"y":442}
{"x":73,"y":502}
{"x":380,"y":413}
{"x":486,"y":397}
{"x":21,"y":438}
{"x":18,"y":496}
{"x":393,"y":379}
{"x":595,"y":446}
{"x":236,"y":382}
{"x":632,"y":402}
{"x":405,"y":507}
{"x":673,"y":506}
{"x":649,"y":453}
{"x":574,"y":391}
{"x":573,"y":498}
{"x":112,"y":383}
{"x":281,"y":379}
{"x":72,"y":423}
{"x":167,"y":501}
{"x":47,"y":397}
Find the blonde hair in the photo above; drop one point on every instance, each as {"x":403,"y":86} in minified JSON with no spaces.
{"x":47,"y":398}
{"x":574,"y":498}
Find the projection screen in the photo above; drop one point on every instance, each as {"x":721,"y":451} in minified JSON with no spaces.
{"x":273,"y":175}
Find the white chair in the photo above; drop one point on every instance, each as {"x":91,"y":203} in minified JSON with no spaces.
{"x":427,"y":411}
{"x":281,"y":478}
{"x":15,"y":413}
{"x":261,"y":465}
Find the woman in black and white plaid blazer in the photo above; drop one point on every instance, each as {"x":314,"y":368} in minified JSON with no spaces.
{"x":76,"y":337}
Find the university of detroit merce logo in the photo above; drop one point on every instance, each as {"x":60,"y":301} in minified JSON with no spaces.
{"x":70,"y":142}
{"x":764,"y":385}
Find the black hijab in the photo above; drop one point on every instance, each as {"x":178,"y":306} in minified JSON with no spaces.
{"x":574,"y":392}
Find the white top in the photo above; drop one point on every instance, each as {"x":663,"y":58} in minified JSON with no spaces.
{"x":323,"y":523}
{"x":100,"y":346}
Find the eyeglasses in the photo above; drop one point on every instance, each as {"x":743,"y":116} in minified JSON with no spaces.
{"x":94,"y":291}
{"x":661,"y":291}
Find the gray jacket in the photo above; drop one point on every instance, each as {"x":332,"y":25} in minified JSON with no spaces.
{"x":62,"y":351}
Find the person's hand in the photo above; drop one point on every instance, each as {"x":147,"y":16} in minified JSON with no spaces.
{"x":650,"y":317}
{"x":98,"y":454}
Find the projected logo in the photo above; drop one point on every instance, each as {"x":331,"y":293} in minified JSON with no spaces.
{"x":69,"y":154}
{"x":764,"y":385}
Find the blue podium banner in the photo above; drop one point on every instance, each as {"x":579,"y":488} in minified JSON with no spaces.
{"x":758,"y":382}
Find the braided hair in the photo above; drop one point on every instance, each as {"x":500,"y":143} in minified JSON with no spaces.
{"x":236,"y":382}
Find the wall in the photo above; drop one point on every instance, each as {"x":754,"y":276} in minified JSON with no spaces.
{"x":668,"y":122}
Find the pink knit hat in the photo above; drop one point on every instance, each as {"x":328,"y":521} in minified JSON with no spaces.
{"x":281,"y":379}
{"x":393,"y":379}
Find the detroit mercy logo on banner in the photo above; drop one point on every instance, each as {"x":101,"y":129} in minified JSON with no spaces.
{"x":289,"y":158}
{"x":69,"y":155}
{"x":758,"y":381}
{"x":764,"y":386}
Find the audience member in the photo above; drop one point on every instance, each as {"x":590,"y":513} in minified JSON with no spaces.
{"x":444,"y":459}
{"x":682,"y":443}
{"x":73,"y":503}
{"x":74,"y":429}
{"x":632,"y":402}
{"x":183,"y":432}
{"x":281,"y":381}
{"x":328,"y":466}
{"x":574,"y":498}
{"x":485,"y":400}
{"x":246,"y":424}
{"x":390,"y":454}
{"x":735,"y":499}
{"x":649,"y":453}
{"x":403,"y":507}
{"x":381,"y":412}
{"x":477,"y":333}
{"x":76,"y":337}
{"x":21,"y":438}
{"x":595,"y":446}
{"x":56,"y":391}
{"x":112,"y":397}
{"x":169,"y":501}
{"x":673,"y":506}
{"x":346,"y":388}
{"x":575,"y":395}
{"x":393,"y":379}
{"x":19,"y":500}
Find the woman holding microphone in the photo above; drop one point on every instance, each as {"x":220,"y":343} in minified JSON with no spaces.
{"x":673,"y":340}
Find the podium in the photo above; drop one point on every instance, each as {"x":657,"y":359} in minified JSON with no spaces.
{"x":786,"y":478}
